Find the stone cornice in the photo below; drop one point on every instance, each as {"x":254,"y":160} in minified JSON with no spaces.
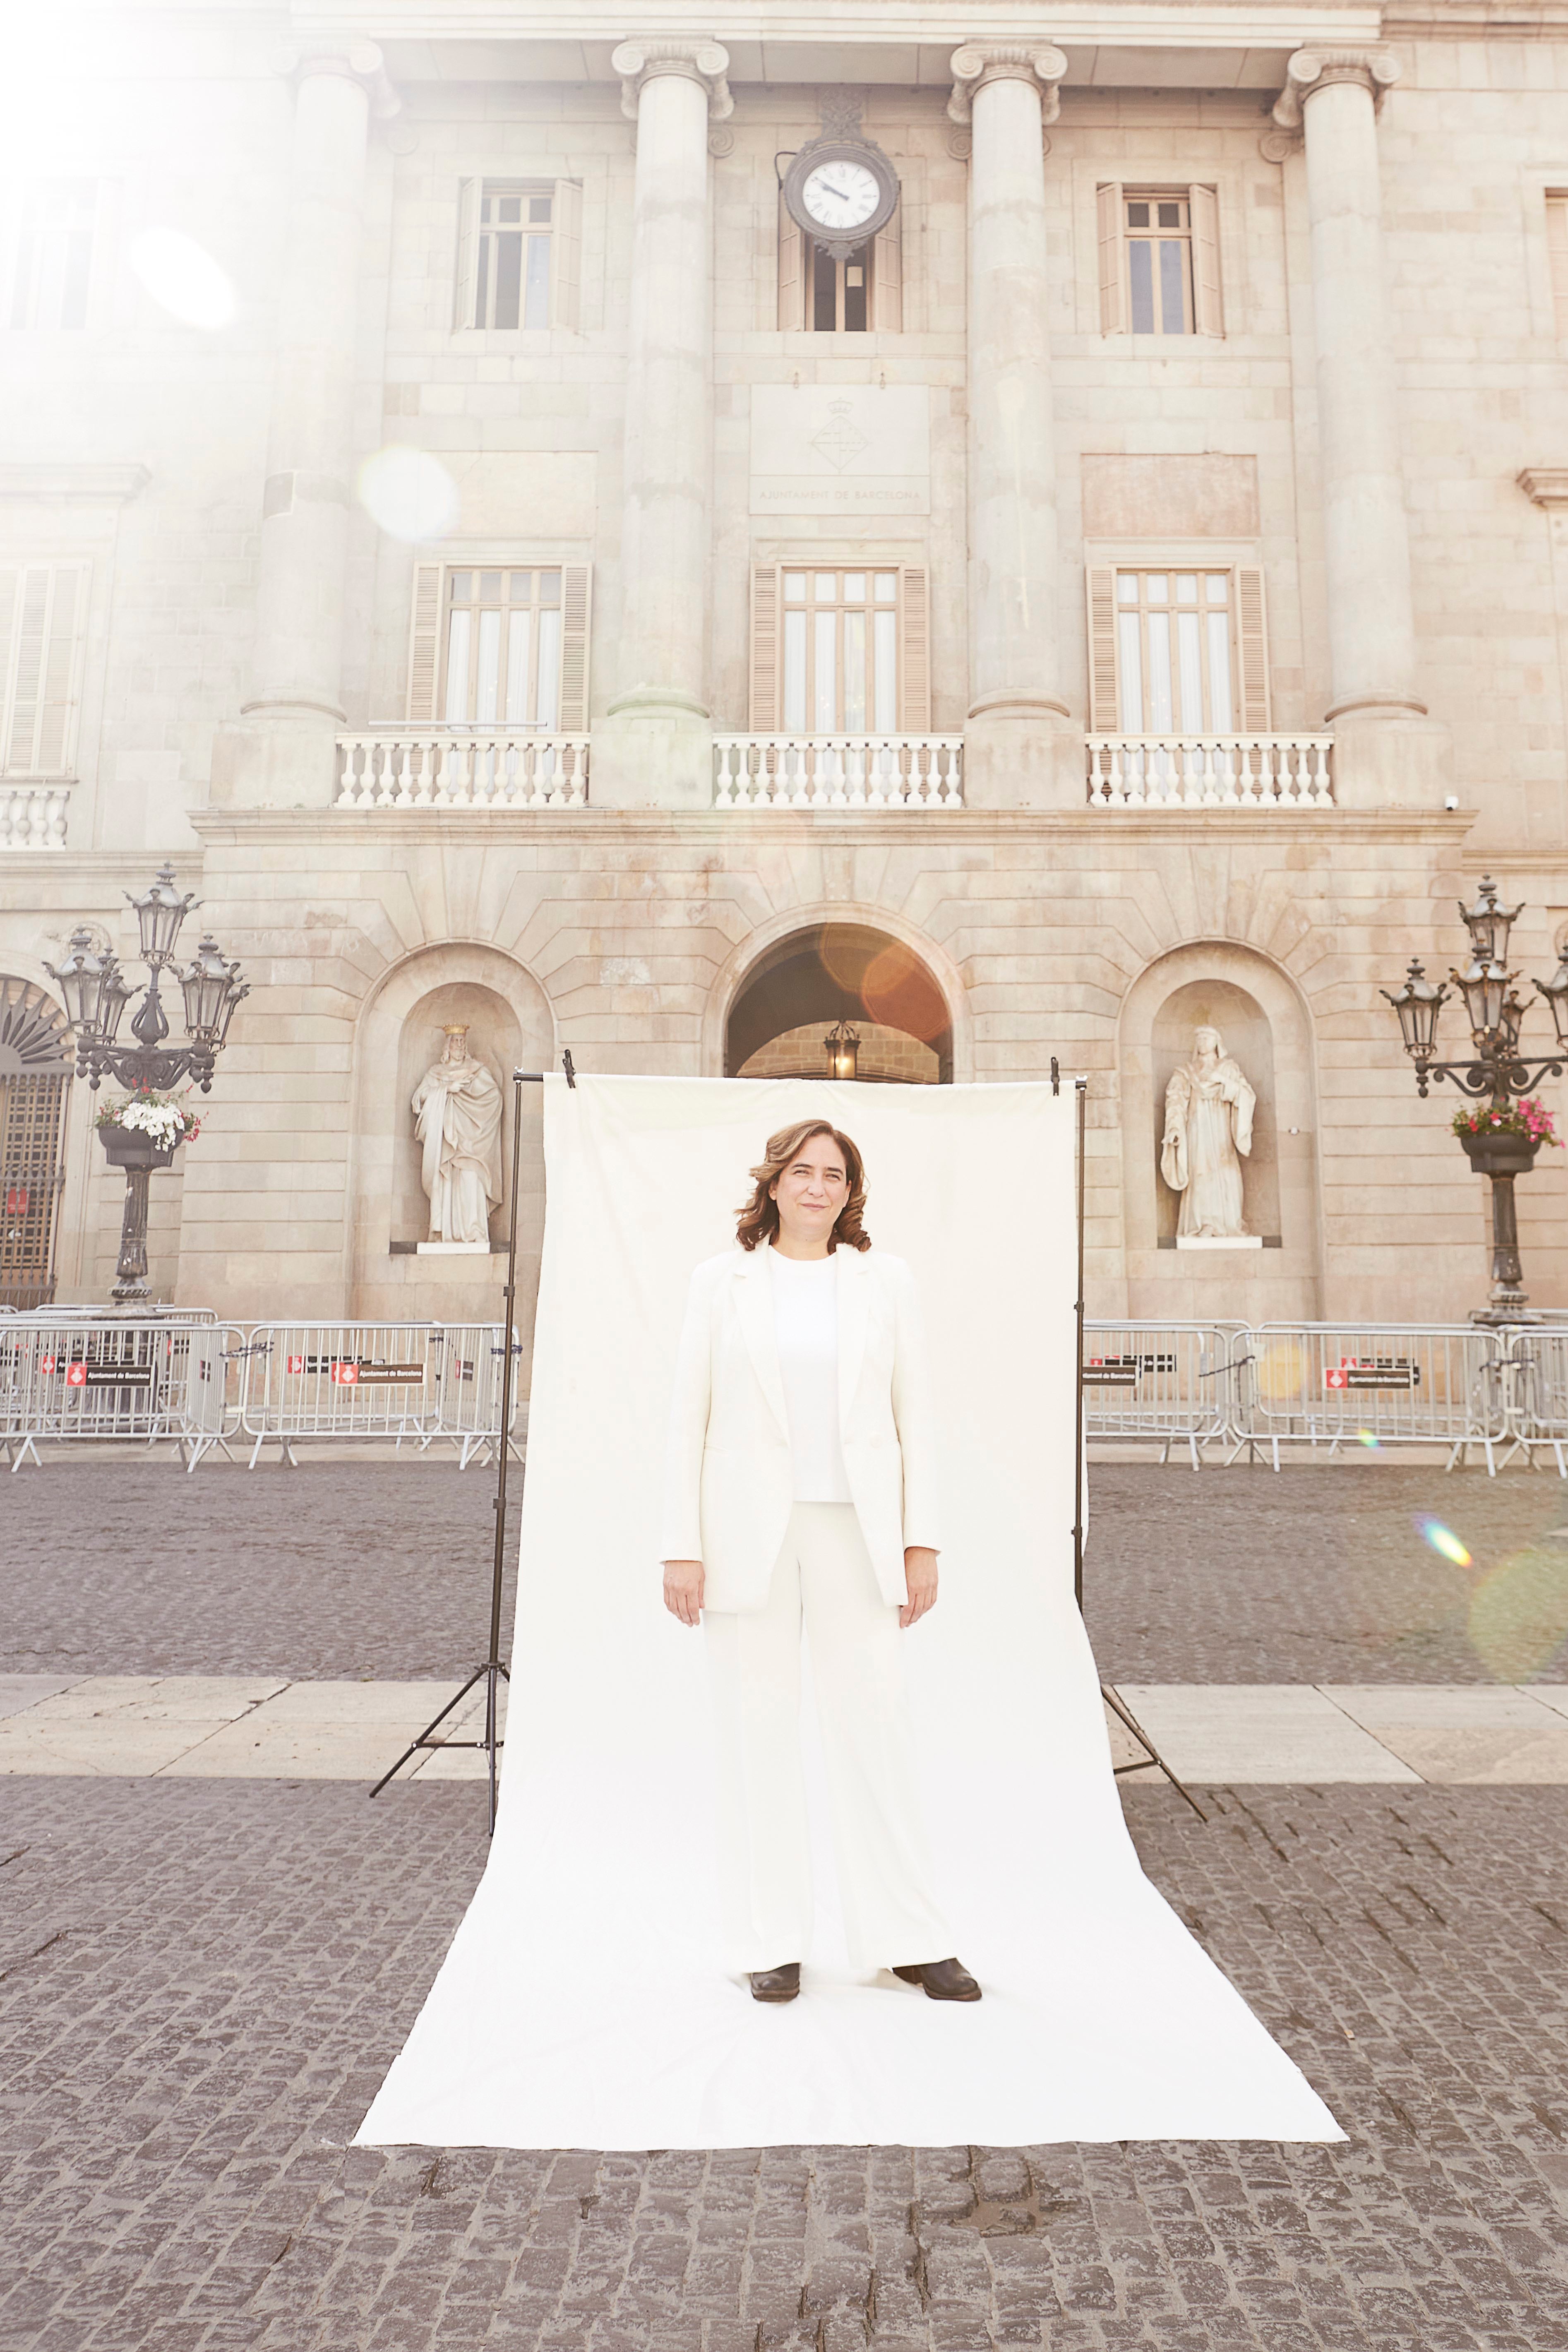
{"x":1476,"y":20}
{"x":99,"y":486}
{"x":978,"y":62}
{"x":1097,"y":829}
{"x":1547,"y":485}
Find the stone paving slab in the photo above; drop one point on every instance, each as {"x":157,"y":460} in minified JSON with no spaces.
{"x":1258,"y":1733}
{"x":201,"y":1983}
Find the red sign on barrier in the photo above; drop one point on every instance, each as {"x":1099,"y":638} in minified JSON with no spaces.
{"x":346,"y":1376}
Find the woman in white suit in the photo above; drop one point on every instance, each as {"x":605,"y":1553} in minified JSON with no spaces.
{"x":799,"y":1489}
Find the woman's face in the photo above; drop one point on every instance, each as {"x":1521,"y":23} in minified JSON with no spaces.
{"x":812,"y":1191}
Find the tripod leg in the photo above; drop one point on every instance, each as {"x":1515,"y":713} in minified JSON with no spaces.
{"x":424,"y":1740}
{"x":1147,"y":1745}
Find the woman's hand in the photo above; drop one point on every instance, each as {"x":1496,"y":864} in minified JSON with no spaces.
{"x":683,"y":1589}
{"x":920,"y":1577}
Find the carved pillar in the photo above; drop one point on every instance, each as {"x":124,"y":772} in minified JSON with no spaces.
{"x":1020,"y":750}
{"x":284,"y":751}
{"x":657,"y":747}
{"x":1386,"y":750}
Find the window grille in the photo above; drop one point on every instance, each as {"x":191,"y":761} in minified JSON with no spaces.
{"x":840,"y":651}
{"x":1159,"y":261}
{"x":53,"y":254}
{"x":35,"y":1085}
{"x":502,"y":646}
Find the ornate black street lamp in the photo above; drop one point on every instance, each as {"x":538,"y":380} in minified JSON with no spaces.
{"x":842,"y":1044}
{"x":1495,"y":1070}
{"x":96,"y":993}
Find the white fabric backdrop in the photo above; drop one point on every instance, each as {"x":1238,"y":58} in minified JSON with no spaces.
{"x":581,"y":2004}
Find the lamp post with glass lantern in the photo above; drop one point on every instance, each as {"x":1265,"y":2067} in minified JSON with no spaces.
{"x":96,"y":992}
{"x":842,"y":1044}
{"x":1496,"y":1069}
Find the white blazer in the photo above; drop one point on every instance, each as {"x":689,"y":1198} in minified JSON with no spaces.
{"x":728,"y":1479}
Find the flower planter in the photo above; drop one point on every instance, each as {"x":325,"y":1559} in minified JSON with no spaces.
{"x":1498,"y":1154}
{"x":136,"y":1152}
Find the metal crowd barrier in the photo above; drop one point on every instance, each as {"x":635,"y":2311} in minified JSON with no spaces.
{"x":68,"y":1378}
{"x":1174,"y":1382}
{"x":1337,"y":1384}
{"x":407,"y":1382}
{"x":1538,"y":1393}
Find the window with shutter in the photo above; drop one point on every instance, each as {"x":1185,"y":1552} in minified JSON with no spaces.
{"x":840,"y":652}
{"x":1557,"y":254}
{"x":1108,"y":207}
{"x":55,"y":254}
{"x":1208,"y":313}
{"x":765,"y":665}
{"x":576,"y":587}
{"x":914,"y":664}
{"x":792,"y":292}
{"x":465,"y":290}
{"x":516,"y":260}
{"x":1182,"y":651}
{"x":1252,"y":647}
{"x":424,"y":644}
{"x":1104,"y":709}
{"x":43,"y":613}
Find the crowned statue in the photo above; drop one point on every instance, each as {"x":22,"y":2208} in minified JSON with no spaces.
{"x":1208,"y":1134}
{"x":457,"y":1109}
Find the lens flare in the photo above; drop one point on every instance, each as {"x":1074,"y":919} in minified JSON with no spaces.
{"x":1366,"y":1438}
{"x":409,"y":493}
{"x":1443,"y":1541}
{"x":1519,"y":1615}
{"x":183,"y":277}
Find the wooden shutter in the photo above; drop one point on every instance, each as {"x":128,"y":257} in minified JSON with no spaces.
{"x":1252,"y":649}
{"x":766,"y":663}
{"x":1208,"y":314}
{"x":43,"y":607}
{"x":914,"y":650}
{"x":1104,"y":694}
{"x":566,"y":255}
{"x":1557,"y":255}
{"x":425,"y":643}
{"x":576,"y":581}
{"x":792,"y":263}
{"x":1112,"y":309}
{"x":464,"y":284}
{"x":887,"y":276}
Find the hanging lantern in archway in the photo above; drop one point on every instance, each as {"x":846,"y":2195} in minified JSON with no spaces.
{"x":842,"y":1047}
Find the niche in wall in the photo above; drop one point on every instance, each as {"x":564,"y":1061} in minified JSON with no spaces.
{"x":495,"y":1038}
{"x":1249,"y":1041}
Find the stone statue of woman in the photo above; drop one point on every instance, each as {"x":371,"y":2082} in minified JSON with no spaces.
{"x":457,"y":1109}
{"x":1209,"y":1133}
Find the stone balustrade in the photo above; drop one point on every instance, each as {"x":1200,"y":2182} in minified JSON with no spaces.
{"x":33,"y":816}
{"x":459,"y":767}
{"x":1210,"y":772}
{"x":838,"y":771}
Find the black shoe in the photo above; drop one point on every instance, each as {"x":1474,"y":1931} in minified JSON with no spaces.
{"x":776,"y":1984}
{"x":943,"y":1979}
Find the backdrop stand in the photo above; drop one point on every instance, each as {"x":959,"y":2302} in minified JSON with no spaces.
{"x":1151,"y":1753}
{"x":490,"y":1670}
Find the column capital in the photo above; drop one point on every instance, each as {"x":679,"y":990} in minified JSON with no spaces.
{"x":1312,"y":70}
{"x":356,"y":61}
{"x":978,"y":62}
{"x":703,"y":62}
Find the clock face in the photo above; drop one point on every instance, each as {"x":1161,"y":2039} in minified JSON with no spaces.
{"x":841,"y":196}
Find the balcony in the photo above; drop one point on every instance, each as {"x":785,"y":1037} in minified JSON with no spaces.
{"x":879,"y":772}
{"x":33,"y":816}
{"x":451,"y":768}
{"x":1274,"y":772}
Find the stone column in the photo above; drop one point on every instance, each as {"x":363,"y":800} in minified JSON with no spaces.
{"x":1020,"y":748}
{"x":656,"y":748}
{"x":1386,"y":750}
{"x":283,"y":751}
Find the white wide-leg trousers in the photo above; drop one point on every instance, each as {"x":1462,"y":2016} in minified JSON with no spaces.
{"x":823,"y":1576}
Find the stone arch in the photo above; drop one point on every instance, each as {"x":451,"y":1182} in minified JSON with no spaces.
{"x":399,"y":1035}
{"x":1268,"y":1026}
{"x":917,"y":988}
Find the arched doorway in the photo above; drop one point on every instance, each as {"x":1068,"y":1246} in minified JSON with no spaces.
{"x":36,"y":1061}
{"x":829,"y":973}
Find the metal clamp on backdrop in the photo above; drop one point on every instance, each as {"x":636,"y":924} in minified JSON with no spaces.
{"x":491,"y":1670}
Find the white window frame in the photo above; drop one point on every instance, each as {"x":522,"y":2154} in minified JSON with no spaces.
{"x":45,"y":611}
{"x":773,"y":615}
{"x":1220,"y":290}
{"x":561,"y":237}
{"x":1250,"y":669}
{"x":28,"y":282}
{"x":430,"y":645}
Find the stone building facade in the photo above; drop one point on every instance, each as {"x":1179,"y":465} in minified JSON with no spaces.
{"x":522,"y":575}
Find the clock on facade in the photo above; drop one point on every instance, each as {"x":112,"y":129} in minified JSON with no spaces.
{"x":841,"y":192}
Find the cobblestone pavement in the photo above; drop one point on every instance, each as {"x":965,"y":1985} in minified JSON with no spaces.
{"x":201,"y":1986}
{"x":382,"y":1569}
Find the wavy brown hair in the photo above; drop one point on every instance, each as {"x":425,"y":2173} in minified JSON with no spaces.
{"x":759,"y":1220}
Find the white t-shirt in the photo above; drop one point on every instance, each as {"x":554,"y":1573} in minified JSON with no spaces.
{"x":805,"y":1323}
